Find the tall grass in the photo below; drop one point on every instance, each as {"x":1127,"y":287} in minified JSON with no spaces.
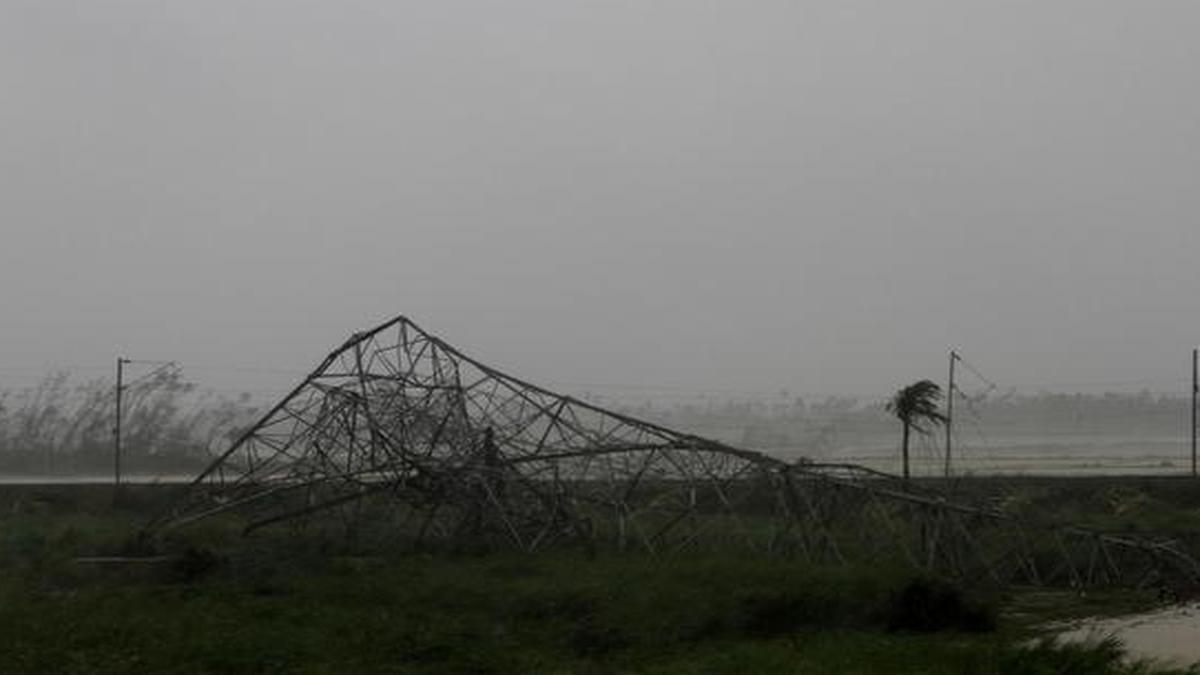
{"x":283,"y":601}
{"x":60,"y":426}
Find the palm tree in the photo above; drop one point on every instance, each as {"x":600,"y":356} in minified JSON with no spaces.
{"x":916,"y":406}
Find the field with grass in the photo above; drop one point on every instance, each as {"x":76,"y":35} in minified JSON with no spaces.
{"x":289,"y":601}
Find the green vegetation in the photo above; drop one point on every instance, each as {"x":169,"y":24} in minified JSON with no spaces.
{"x":285,"y":602}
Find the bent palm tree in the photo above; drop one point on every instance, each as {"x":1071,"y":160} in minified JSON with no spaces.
{"x":916,"y":406}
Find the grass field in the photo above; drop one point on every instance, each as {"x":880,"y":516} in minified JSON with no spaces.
{"x":287,"y":602}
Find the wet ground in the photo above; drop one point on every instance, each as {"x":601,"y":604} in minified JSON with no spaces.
{"x":1171,"y":634}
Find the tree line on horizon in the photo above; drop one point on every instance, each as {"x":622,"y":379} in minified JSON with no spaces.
{"x":64,"y":426}
{"x":59,"y":426}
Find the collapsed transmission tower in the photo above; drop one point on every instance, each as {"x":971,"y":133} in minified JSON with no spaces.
{"x":399,"y":431}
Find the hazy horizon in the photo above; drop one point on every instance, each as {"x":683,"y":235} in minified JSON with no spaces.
{"x":812,"y":197}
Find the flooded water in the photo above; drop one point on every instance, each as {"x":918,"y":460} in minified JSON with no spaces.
{"x":1169,"y":635}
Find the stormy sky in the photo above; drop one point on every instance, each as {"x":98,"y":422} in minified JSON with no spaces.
{"x":621,"y":196}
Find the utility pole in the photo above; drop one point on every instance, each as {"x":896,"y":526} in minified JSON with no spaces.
{"x":950,"y":410}
{"x":118,"y":445}
{"x":121,"y":361}
{"x":1195,"y":390}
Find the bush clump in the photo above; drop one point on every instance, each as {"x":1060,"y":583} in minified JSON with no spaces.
{"x":926,"y":605}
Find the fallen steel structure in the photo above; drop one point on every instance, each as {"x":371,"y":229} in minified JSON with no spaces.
{"x":399,"y":431}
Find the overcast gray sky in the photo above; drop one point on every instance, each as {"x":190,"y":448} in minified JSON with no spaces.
{"x":823,"y":197}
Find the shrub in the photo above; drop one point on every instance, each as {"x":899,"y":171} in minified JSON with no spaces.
{"x":926,"y":605}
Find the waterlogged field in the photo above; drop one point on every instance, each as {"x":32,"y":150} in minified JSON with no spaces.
{"x":286,"y":601}
{"x":1022,"y":456}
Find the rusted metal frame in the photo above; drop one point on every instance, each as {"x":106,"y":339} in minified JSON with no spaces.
{"x":686,"y":514}
{"x":414,"y":358}
{"x":973,"y":544}
{"x":486,"y":410}
{"x":636,"y":477}
{"x":299,"y":418}
{"x":1068,"y":561}
{"x":282,"y":451}
{"x":692,"y":537}
{"x":789,"y":509}
{"x":267,"y":491}
{"x":430,"y":517}
{"x":569,"y":420}
{"x":628,"y":473}
{"x":931,"y":527}
{"x":610,"y":479}
{"x":1059,"y":531}
{"x":1155,"y":550}
{"x":385,"y":357}
{"x":519,"y":417}
{"x":331,"y":406}
{"x":620,"y":508}
{"x":641,"y":532}
{"x":682,"y":515}
{"x":350,"y":513}
{"x":866,"y":476}
{"x":482,"y":399}
{"x":307,"y":426}
{"x":998,"y":516}
{"x":934,"y":537}
{"x":1093,"y":557}
{"x":221,"y":508}
{"x":719,"y":484}
{"x":689,"y":483}
{"x":424,"y":387}
{"x":313,"y":508}
{"x":627,"y":478}
{"x":1026,"y":554}
{"x":541,"y":536}
{"x":521,"y":411}
{"x":820,"y":497}
{"x":557,"y":509}
{"x":350,"y":429}
{"x":364,"y":404}
{"x":630,"y":513}
{"x":435,"y":365}
{"x":477,"y":382}
{"x":1183,"y":562}
{"x":851,"y":518}
{"x":402,"y":342}
{"x":533,"y":486}
{"x":918,"y":499}
{"x":600,"y":437}
{"x":686,"y":497}
{"x":1009,"y":558}
{"x":510,"y":416}
{"x":502,"y":512}
{"x":517,"y":429}
{"x":437,"y":434}
{"x":551,"y":424}
{"x":583,"y":404}
{"x":575,"y":426}
{"x":1113,"y":568}
{"x":899,"y":538}
{"x":819,"y":526}
{"x":256,"y":434}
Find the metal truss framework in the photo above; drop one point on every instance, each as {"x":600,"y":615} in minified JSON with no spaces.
{"x":399,"y":430}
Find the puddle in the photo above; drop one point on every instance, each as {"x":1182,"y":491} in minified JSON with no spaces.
{"x":1170,"y":635}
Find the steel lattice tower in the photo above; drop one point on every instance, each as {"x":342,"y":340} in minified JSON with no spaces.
{"x":399,"y":428}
